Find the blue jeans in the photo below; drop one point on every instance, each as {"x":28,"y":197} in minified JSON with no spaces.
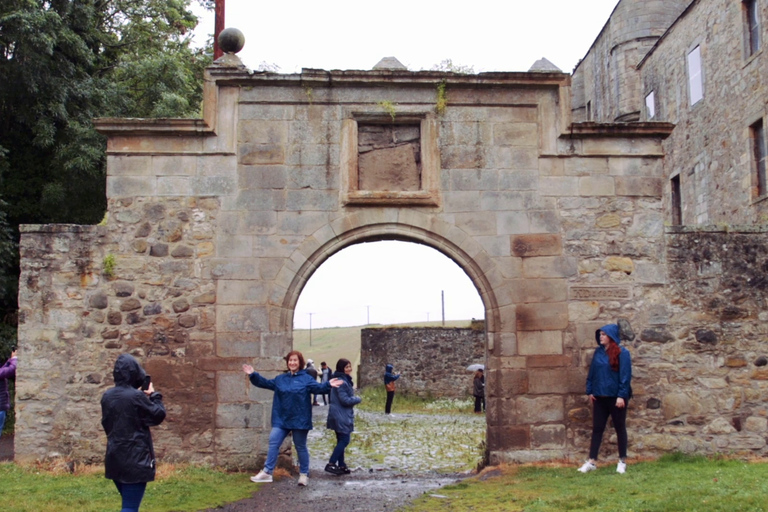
{"x":132,"y":495}
{"x":3,"y":415}
{"x":276,"y":438}
{"x":342,"y":441}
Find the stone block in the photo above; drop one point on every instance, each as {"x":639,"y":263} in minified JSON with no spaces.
{"x":542,"y":317}
{"x":501,"y":411}
{"x":596,"y":186}
{"x":511,"y":383}
{"x":540,"y":342}
{"x":129,"y":165}
{"x":674,"y":405}
{"x":311,"y":200}
{"x":539,"y":244}
{"x":583,"y":310}
{"x":638,"y":186}
{"x":231,"y":387}
{"x":544,"y":409}
{"x":233,"y":344}
{"x":547,"y":382}
{"x":544,"y":267}
{"x":585,"y":166}
{"x":241,"y":319}
{"x":259,"y":131}
{"x":213,"y":185}
{"x":551,"y":361}
{"x":548,"y":436}
{"x":538,"y":290}
{"x":508,"y":438}
{"x":477,"y":223}
{"x":241,"y":292}
{"x":512,"y":223}
{"x":558,"y":185}
{"x":516,"y":134}
{"x":650,"y":273}
{"x":174,"y":186}
{"x":239,"y":415}
{"x":254,"y":154}
{"x":507,"y":342}
{"x":619,"y":264}
{"x":130,"y":186}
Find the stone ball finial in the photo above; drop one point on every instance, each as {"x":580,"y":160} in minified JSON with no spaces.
{"x":231,"y":40}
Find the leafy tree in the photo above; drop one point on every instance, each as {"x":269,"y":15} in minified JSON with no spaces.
{"x":64,"y":63}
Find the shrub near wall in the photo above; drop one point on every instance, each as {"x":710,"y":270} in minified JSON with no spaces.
{"x":432,"y":360}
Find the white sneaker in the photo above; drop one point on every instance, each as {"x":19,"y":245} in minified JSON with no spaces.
{"x":303,"y":480}
{"x":587,"y":467}
{"x":621,"y":467}
{"x":261,"y":478}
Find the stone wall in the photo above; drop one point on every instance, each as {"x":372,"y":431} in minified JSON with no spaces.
{"x":701,"y":381}
{"x":432,"y":360}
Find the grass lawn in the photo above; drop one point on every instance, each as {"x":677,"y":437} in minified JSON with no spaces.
{"x":177,"y":488}
{"x":375,"y":398}
{"x":675,"y":482}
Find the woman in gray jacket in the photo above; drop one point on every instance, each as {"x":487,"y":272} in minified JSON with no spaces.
{"x":341,"y":416}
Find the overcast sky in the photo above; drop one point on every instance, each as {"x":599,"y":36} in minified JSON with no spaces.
{"x":397,"y":282}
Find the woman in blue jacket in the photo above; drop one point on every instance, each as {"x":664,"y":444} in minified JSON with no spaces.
{"x":609,"y":389}
{"x":291,"y":412}
{"x":341,"y":416}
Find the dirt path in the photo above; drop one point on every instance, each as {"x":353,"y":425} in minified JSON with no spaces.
{"x":376,"y":487}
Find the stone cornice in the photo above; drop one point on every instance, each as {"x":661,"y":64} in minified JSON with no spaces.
{"x":591,"y":130}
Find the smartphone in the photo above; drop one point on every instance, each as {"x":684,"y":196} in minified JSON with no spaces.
{"x":145,"y":383}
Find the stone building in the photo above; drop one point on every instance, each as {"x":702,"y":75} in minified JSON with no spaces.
{"x":216,"y":224}
{"x":699,"y":65}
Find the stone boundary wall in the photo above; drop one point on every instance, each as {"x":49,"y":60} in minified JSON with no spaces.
{"x":700,"y":375}
{"x":432,"y":360}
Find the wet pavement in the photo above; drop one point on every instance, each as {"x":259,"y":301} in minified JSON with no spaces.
{"x":378,"y":482}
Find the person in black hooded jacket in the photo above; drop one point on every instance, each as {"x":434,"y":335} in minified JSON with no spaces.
{"x":127,"y":412}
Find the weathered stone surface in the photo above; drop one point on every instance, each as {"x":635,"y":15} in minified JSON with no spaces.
{"x":153,"y":309}
{"x":130,"y":304}
{"x":158,"y":250}
{"x":620,"y":264}
{"x":99,"y":300}
{"x":706,"y":336}
{"x":537,"y":245}
{"x":187,"y":320}
{"x":123,"y":289}
{"x":182,"y":251}
{"x":180,"y":305}
{"x":656,"y":336}
{"x":114,"y":318}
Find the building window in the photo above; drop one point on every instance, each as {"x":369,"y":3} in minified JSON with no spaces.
{"x":677,"y":202}
{"x":757,"y":133}
{"x":695,"y":82}
{"x":650,"y":105}
{"x":589,"y":111}
{"x":753,"y":27}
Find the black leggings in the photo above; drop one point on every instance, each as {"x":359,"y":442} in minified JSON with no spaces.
{"x":603,"y":407}
{"x":388,"y":407}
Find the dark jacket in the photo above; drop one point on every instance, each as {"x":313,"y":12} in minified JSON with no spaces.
{"x":602,"y":379}
{"x":341,"y":415}
{"x":311,"y":370}
{"x":388,"y":375}
{"x":291,"y":406}
{"x":478,"y":386}
{"x":7,"y":371}
{"x":126,"y":415}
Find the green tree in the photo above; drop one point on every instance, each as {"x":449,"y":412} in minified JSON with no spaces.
{"x":64,"y":63}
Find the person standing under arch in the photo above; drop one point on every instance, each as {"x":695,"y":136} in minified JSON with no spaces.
{"x":291,"y":412}
{"x":609,"y":386}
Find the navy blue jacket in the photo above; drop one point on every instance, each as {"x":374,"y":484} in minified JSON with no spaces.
{"x":291,"y":406}
{"x":602,"y":380}
{"x":388,"y":375}
{"x":341,"y":415}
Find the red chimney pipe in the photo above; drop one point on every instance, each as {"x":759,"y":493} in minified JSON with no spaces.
{"x":218,"y":27}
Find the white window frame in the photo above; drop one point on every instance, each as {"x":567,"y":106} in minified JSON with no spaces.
{"x":695,"y":75}
{"x":650,"y":105}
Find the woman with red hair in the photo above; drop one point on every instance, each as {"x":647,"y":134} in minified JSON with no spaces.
{"x":291,"y":411}
{"x":609,"y":389}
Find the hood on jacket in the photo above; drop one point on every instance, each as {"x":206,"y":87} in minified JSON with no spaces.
{"x":389,"y":368}
{"x":612,"y":330}
{"x":128,"y":371}
{"x":342,"y":375}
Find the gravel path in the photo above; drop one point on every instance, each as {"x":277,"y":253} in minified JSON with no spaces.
{"x":383,"y":486}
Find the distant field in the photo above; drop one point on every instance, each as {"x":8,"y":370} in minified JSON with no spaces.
{"x":333,"y":343}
